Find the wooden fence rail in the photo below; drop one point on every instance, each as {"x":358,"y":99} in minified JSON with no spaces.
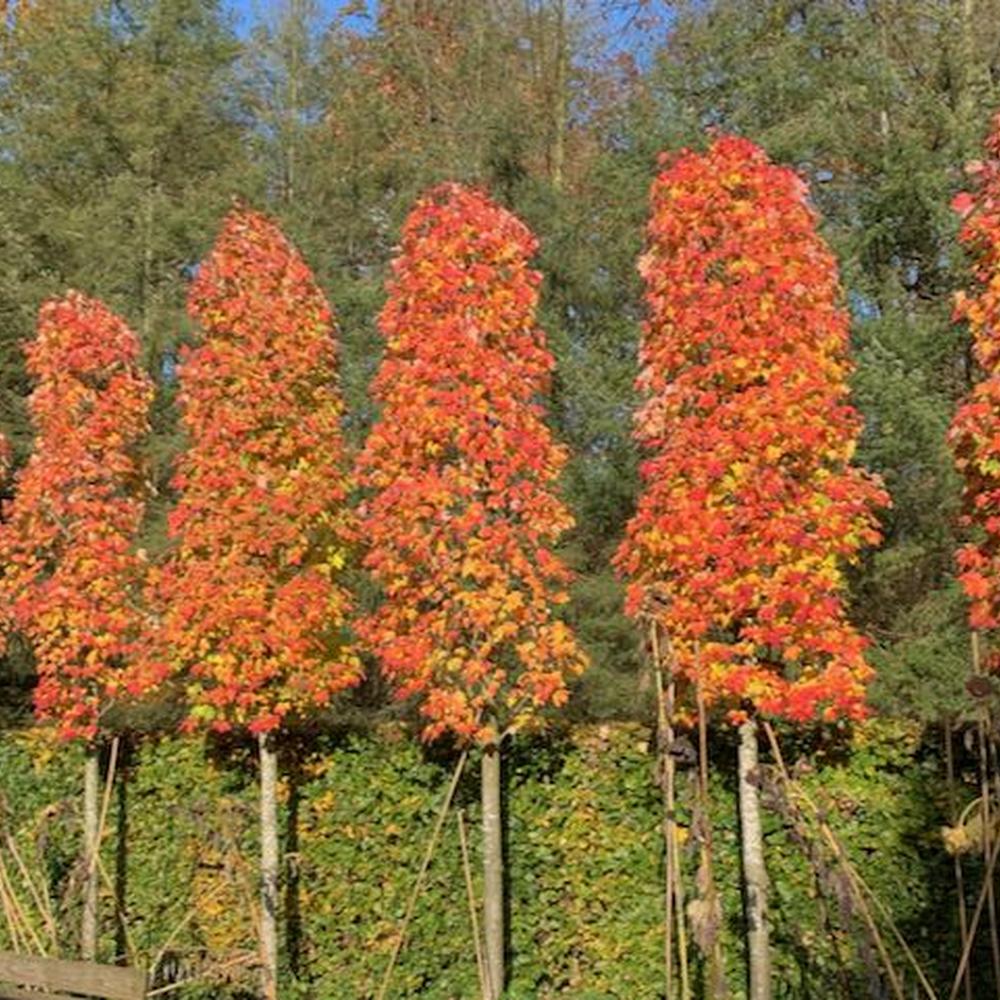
{"x":60,"y":979}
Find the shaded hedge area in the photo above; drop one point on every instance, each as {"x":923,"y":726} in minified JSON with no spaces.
{"x":585,"y":855}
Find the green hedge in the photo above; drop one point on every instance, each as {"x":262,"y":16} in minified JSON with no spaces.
{"x":585,"y":862}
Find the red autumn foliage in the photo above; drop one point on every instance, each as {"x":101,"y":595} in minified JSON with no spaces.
{"x":5,"y":460}
{"x":253,"y":616}
{"x":71,"y":578}
{"x":750,"y":506}
{"x":975,"y":430}
{"x":461,"y":468}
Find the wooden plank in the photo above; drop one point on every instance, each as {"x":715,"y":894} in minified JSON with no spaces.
{"x":15,"y":993}
{"x":110,"y":982}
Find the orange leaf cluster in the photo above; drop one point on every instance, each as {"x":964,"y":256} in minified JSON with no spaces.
{"x":750,"y":505}
{"x":975,"y":430}
{"x":252,"y":614}
{"x":461,"y":468}
{"x":71,"y":578}
{"x":5,"y":460}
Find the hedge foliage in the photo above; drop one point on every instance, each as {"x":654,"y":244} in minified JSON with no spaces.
{"x":585,"y":861}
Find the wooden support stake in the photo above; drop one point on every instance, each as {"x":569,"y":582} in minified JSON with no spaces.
{"x":665,"y":768}
{"x":484,"y":981}
{"x":418,"y":884}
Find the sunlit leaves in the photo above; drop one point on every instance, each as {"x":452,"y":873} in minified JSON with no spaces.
{"x":750,"y":506}
{"x":975,"y":431}
{"x":71,"y":578}
{"x":461,"y":469}
{"x":253,"y":614}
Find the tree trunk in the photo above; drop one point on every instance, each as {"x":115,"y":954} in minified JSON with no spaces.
{"x":121,"y":857}
{"x":754,"y":873}
{"x":953,"y":814}
{"x":559,"y":109}
{"x":987,"y":828}
{"x":664,"y":744}
{"x":716,"y":987}
{"x":673,"y":886}
{"x":297,"y":22}
{"x":91,"y":820}
{"x":268,"y":867}
{"x":149,"y":223}
{"x":493,"y":929}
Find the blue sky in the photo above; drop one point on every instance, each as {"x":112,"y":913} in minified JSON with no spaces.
{"x":247,"y":12}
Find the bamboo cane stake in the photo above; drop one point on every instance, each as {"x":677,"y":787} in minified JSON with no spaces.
{"x":40,"y":901}
{"x":991,"y":863}
{"x":716,"y":984}
{"x":853,"y":880}
{"x":484,"y":980}
{"x":963,"y":917}
{"x":10,"y":914}
{"x":682,"y":950}
{"x":10,"y":918}
{"x":664,"y":739}
{"x":133,"y":951}
{"x":418,"y":884}
{"x":987,"y":834}
{"x":109,"y":781}
{"x":15,"y":903}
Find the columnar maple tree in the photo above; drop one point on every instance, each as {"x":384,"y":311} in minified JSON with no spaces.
{"x":975,"y":439}
{"x":975,"y":430}
{"x":750,"y":506}
{"x":463,"y":513}
{"x":5,"y":460}
{"x":72,"y":577}
{"x":253,"y":616}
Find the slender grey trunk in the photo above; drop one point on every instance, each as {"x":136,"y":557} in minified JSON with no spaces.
{"x":560,"y":111}
{"x":716,"y":987}
{"x":268,"y":867}
{"x":91,"y":820}
{"x":493,"y":929}
{"x":297,"y":20}
{"x":971,"y":76}
{"x":148,"y":258}
{"x":754,"y":873}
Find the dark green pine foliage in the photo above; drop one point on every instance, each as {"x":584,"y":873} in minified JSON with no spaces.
{"x":120,"y":146}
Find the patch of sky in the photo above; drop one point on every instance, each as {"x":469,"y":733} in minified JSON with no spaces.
{"x":862,"y":307}
{"x":356,"y":15}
